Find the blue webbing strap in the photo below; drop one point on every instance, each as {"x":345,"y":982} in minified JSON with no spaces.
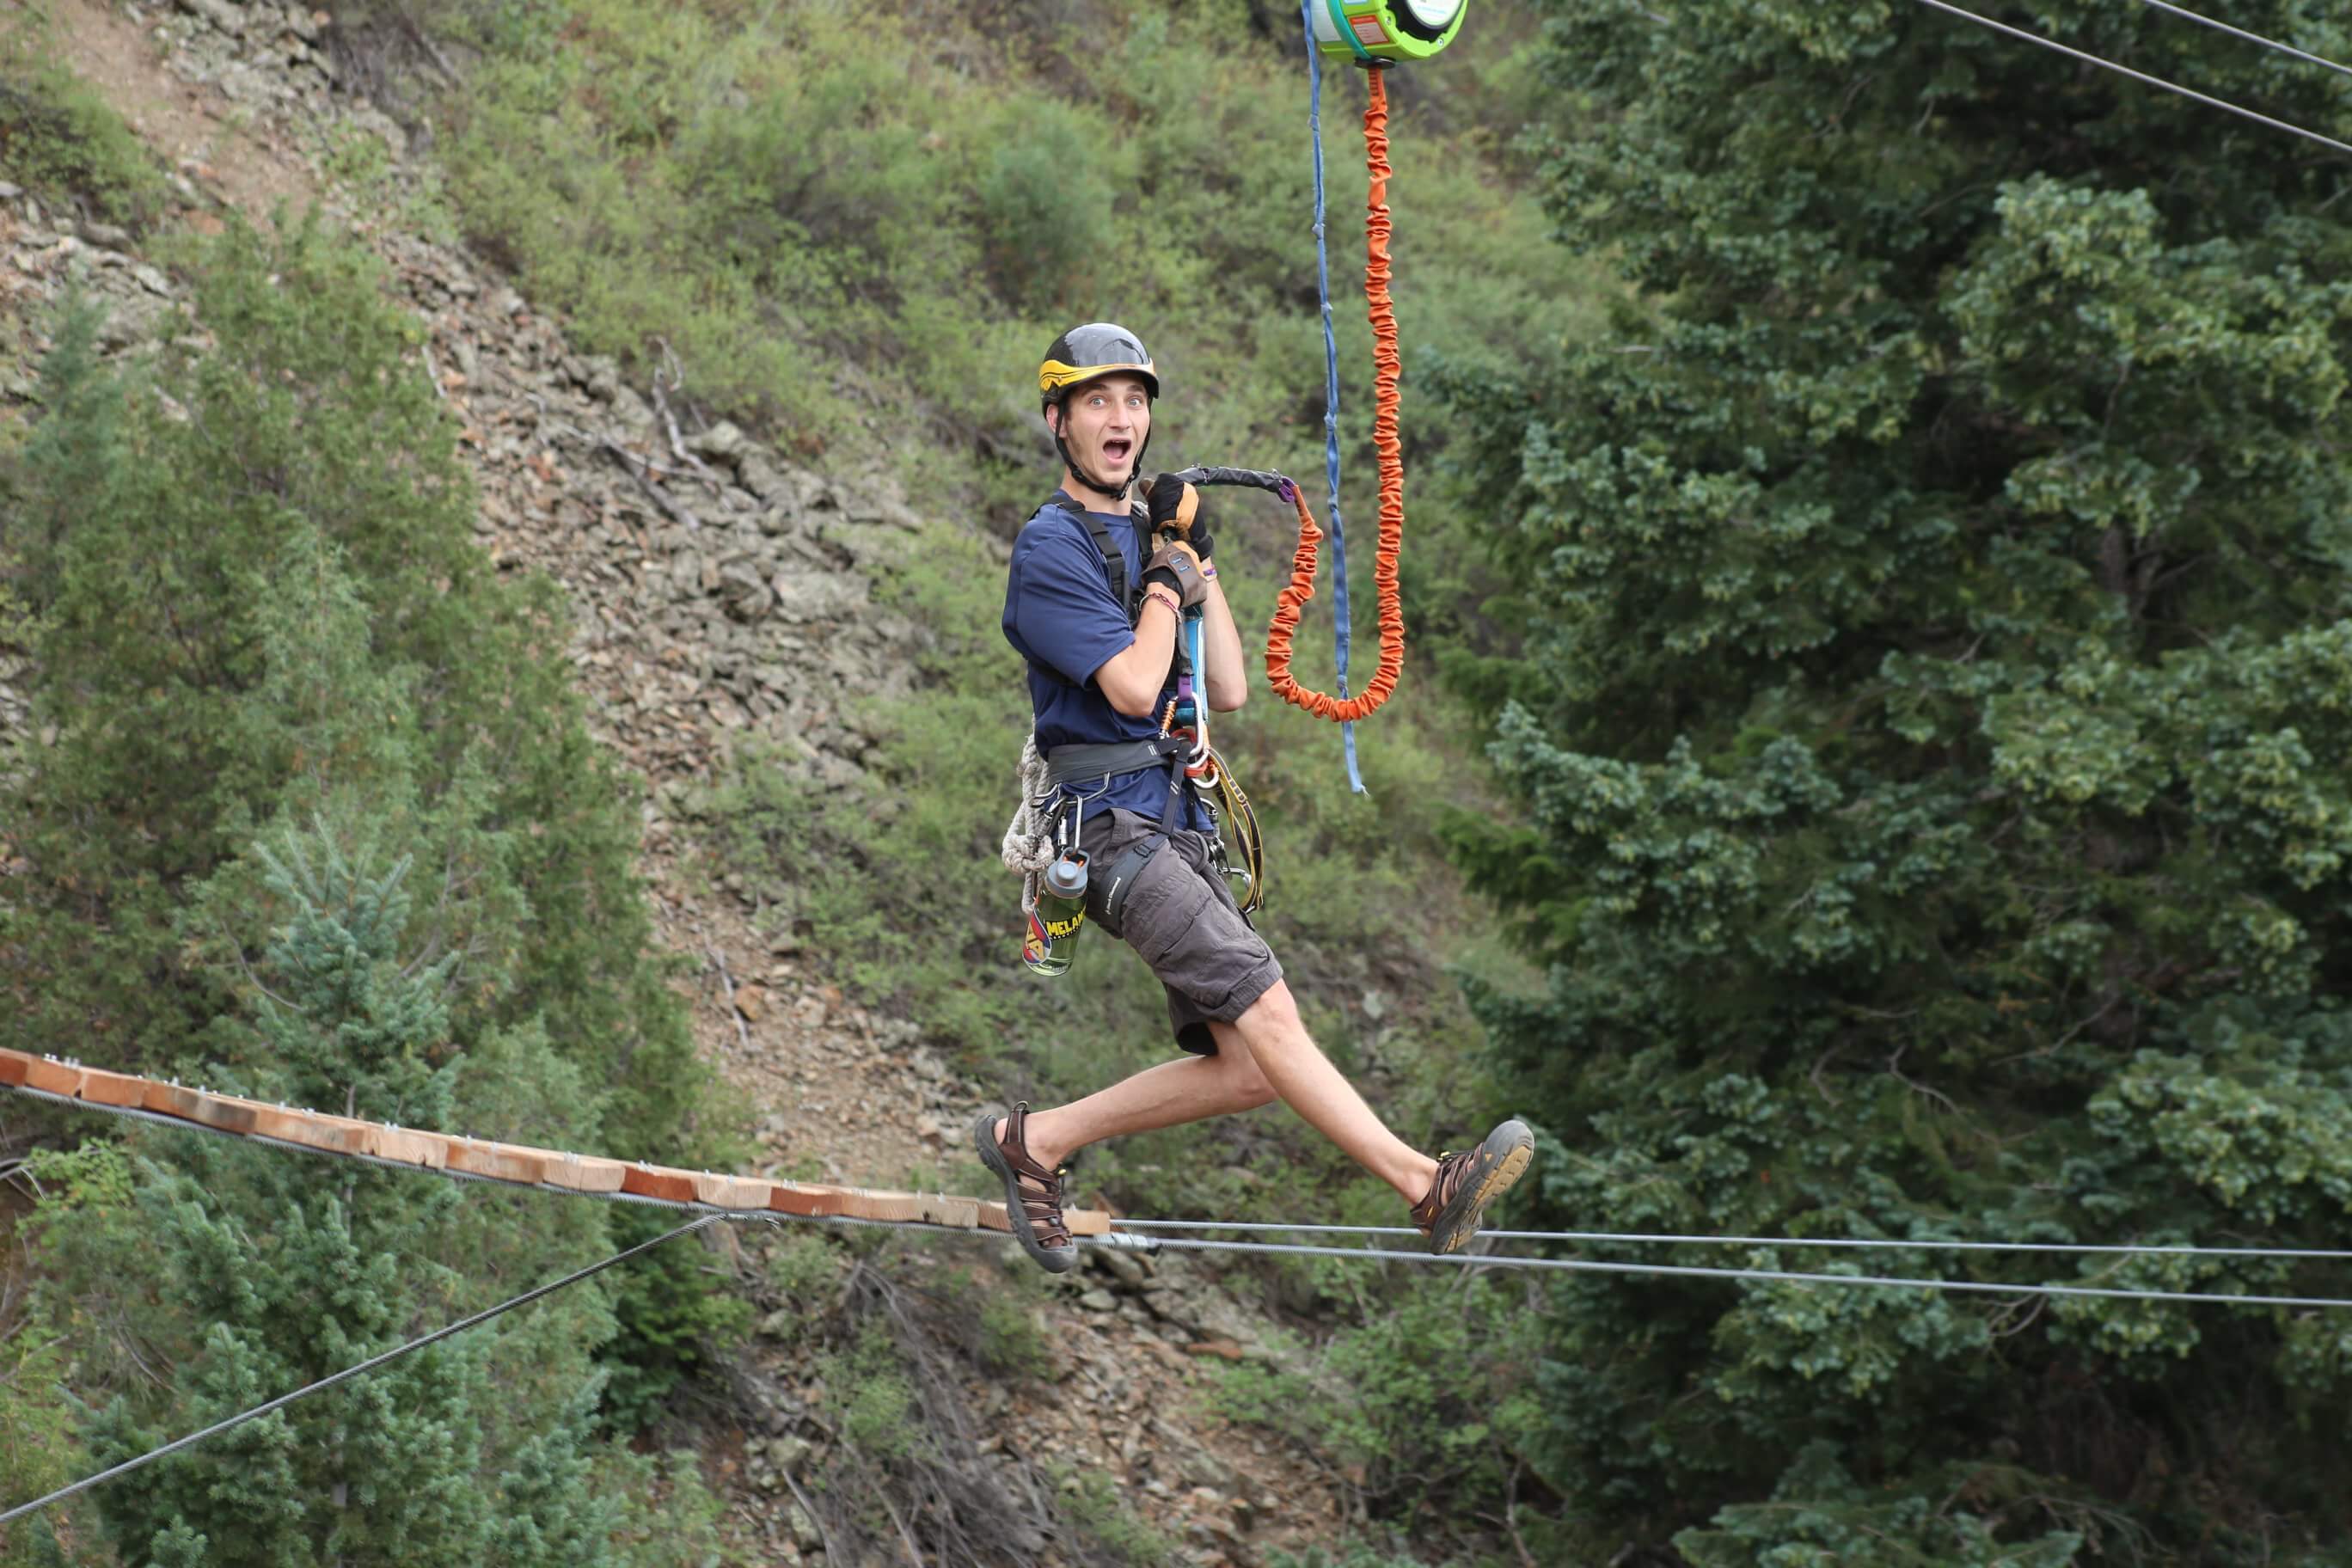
{"x":1330,"y":388}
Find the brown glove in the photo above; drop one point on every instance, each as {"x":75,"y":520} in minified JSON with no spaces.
{"x":1180,"y":569}
{"x":1176,"y":508}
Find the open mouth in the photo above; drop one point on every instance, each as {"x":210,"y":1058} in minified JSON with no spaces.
{"x":1116,"y":451}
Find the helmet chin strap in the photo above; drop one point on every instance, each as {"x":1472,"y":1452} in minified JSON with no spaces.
{"x":1117,"y":492}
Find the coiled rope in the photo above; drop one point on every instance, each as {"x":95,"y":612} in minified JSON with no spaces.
{"x":1385,"y":443}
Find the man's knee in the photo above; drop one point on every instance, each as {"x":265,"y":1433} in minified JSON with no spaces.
{"x":1275,"y":1013}
{"x":1250,"y":1082}
{"x":1245,"y":1080}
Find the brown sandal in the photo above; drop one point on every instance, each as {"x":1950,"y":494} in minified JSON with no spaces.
{"x":1466,"y":1182}
{"x":1036,"y":1210}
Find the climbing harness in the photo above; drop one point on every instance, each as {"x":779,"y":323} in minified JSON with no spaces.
{"x":1204,"y":768}
{"x":1049,"y":820}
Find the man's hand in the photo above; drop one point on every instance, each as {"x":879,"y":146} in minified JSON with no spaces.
{"x":1177,"y":566}
{"x":1176,"y":505}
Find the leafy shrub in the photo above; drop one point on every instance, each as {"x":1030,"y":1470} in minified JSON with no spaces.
{"x":62,"y":140}
{"x":1045,"y":205}
{"x":1433,"y":1394}
{"x":1011,"y":1339}
{"x":1089,"y":1501}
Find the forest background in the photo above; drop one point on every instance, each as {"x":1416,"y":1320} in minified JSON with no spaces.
{"x":1874,"y":763}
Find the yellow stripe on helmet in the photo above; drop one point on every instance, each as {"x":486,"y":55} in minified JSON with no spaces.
{"x":1053,"y":375}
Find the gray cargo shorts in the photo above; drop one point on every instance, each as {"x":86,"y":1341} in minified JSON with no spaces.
{"x":1183,"y":918}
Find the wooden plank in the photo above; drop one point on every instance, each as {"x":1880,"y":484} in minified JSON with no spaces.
{"x":731,"y":1191}
{"x":582,"y":1172}
{"x":658,"y":1182}
{"x":314,"y":1130}
{"x":802,"y":1198}
{"x":52,"y":1076}
{"x":942,"y":1209}
{"x":513,"y":1161}
{"x":498,"y":1161}
{"x":407,"y":1146}
{"x":102,"y":1087}
{"x":894,"y":1208}
{"x":170,"y":1100}
{"x":226,"y":1112}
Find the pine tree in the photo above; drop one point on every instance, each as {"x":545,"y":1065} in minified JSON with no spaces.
{"x":295,"y":1270}
{"x":321,"y":821}
{"x":1935,"y":721}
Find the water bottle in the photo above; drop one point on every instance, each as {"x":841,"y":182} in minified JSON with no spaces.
{"x":1053,"y":936}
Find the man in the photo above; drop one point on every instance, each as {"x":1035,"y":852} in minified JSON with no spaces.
{"x":1101,"y":680}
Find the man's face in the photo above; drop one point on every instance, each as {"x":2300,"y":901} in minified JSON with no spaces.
{"x":1104,"y":425}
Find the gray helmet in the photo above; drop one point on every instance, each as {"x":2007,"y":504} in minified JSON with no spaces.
{"x":1087,"y":354}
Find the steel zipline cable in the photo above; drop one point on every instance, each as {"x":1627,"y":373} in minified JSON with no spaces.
{"x":1142,"y":1235}
{"x":371,"y":1364}
{"x":1690,"y":1270}
{"x":2085,"y":55}
{"x":1139,"y":1230}
{"x":1882,"y":1244}
{"x":2183,"y":11}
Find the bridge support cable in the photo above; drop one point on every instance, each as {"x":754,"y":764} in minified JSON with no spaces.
{"x":2219,"y":26}
{"x":349,"y":1373}
{"x":1686,"y":1271}
{"x":2089,"y":58}
{"x":1881,"y":1244}
{"x":713,"y":1197}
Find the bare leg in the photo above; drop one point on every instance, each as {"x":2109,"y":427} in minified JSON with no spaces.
{"x":1299,"y":1071}
{"x":1265,"y":1054}
{"x":1192,"y":1088}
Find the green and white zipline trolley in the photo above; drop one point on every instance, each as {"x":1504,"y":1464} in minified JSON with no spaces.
{"x":1368,"y":30}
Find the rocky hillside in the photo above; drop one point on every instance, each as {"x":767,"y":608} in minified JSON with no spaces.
{"x":721,"y":590}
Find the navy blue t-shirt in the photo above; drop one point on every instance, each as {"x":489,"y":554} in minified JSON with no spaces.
{"x":1059,"y":611}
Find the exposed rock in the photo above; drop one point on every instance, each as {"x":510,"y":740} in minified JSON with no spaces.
{"x":220,"y":13}
{"x":1125,"y":1267}
{"x":722,"y":442}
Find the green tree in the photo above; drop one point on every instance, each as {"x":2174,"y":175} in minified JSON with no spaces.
{"x":243,"y":586}
{"x":154,"y":520}
{"x":1933,"y":710}
{"x":279,"y":1273}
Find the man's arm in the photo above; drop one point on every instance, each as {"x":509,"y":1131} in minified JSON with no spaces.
{"x":1060,"y":612}
{"x":1223,"y":676}
{"x":1175,"y":507}
{"x":1131,"y":681}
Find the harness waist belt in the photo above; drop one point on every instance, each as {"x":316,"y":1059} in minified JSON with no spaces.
{"x":1067,"y":764}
